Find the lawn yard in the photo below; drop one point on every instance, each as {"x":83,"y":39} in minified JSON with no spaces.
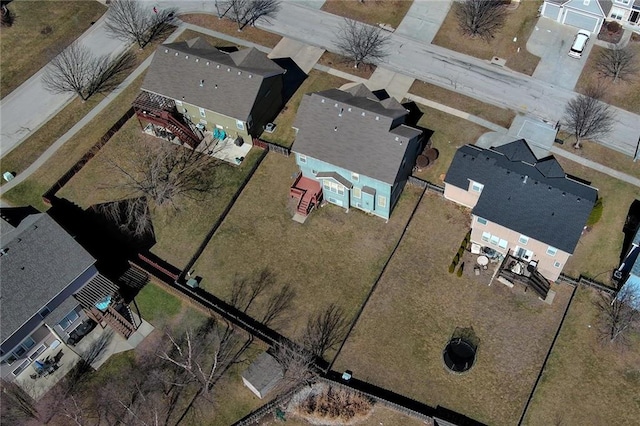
{"x":586,"y":381}
{"x":398,"y":341}
{"x":518,"y":24}
{"x":333,"y":258}
{"x":344,"y":64}
{"x":598,"y":251}
{"x":500,"y":116}
{"x":450,"y":133}
{"x":623,"y":94}
{"x":41,"y":30}
{"x":249,"y":33}
{"x":30,"y":191}
{"x":29,"y":150}
{"x":315,"y":82}
{"x":390,"y":12}
{"x":178,"y":232}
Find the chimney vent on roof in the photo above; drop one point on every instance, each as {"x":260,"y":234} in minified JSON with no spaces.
{"x":3,"y":251}
{"x":208,"y":63}
{"x":186,"y":57}
{"x":215,"y":86}
{"x":525,"y":179}
{"x":250,"y":75}
{"x":197,"y":59}
{"x":335,"y":129}
{"x":166,"y":50}
{"x":218,"y":66}
{"x":201,"y":83}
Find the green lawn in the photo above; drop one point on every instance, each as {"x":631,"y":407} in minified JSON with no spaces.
{"x":332,"y":258}
{"x":178,"y":232}
{"x":398,"y":341}
{"x":41,"y":30}
{"x":586,"y":381}
{"x":156,"y":304}
{"x":315,"y":82}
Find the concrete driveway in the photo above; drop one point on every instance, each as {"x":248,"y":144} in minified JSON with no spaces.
{"x":423,"y":19}
{"x":551,"y":41}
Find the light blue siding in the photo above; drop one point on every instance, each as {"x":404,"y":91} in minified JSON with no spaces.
{"x":582,"y":21}
{"x":551,"y":11}
{"x":344,"y":196}
{"x":591,"y":6}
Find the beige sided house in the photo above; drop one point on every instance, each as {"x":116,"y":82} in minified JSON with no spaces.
{"x":523,"y":207}
{"x":192,"y":87}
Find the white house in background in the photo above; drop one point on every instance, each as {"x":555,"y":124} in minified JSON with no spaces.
{"x":591,"y":14}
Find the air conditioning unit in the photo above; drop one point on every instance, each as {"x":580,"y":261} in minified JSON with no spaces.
{"x":270,"y":127}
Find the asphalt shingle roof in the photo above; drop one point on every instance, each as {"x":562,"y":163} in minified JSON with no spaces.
{"x":40,"y":261}
{"x":535,"y":200}
{"x":354,"y":130}
{"x":230,"y":81}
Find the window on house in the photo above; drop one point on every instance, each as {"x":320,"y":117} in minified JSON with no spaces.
{"x":333,"y":187}
{"x":66,"y":321}
{"x":302,"y":158}
{"x":551,"y":251}
{"x":557,"y":264}
{"x":586,"y":2}
{"x":623,"y":1}
{"x":37,"y":352}
{"x":382,"y":201}
{"x":617,"y":13}
{"x":355,"y":177}
{"x":340,"y":190}
{"x":502,"y":244}
{"x":357,"y":193}
{"x":476,"y":187}
{"x":481,"y":220}
{"x":179,"y":103}
{"x":239,"y":124}
{"x":486,"y":236}
{"x":203,"y":114}
{"x":21,"y":367}
{"x":494,"y":240}
{"x":523,"y":239}
{"x":11,"y":359}
{"x":45,"y":311}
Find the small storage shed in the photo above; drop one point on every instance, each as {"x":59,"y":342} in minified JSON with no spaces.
{"x":262,"y":375}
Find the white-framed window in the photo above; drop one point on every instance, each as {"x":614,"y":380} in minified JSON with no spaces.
{"x":502,"y":244}
{"x":617,"y":13}
{"x":382,"y":201}
{"x":21,"y":367}
{"x":302,"y":158}
{"x":523,"y":253}
{"x":203,"y":114}
{"x":494,"y":240}
{"x":333,"y":187}
{"x":625,"y":2}
{"x":239,"y":124}
{"x":357,"y":193}
{"x":551,"y":251}
{"x":476,"y":187}
{"x":66,"y":321}
{"x":486,"y":236}
{"x":37,"y":352}
{"x":178,"y":103}
{"x":523,"y":240}
{"x":45,"y":311}
{"x":586,"y":2}
{"x":557,"y":264}
{"x":481,"y":220}
{"x":355,"y":177}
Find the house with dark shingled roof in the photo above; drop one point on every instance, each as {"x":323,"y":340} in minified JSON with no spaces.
{"x":354,"y":150}
{"x":523,"y":206}
{"x":202,"y":86}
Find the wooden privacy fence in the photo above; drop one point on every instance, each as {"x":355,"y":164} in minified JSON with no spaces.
{"x":282,"y":150}
{"x":582,"y":280}
{"x":423,"y":184}
{"x":65,"y":178}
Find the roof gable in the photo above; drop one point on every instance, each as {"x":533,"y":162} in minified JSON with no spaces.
{"x":537,"y":200}
{"x":591,"y":6}
{"x":195,"y":72}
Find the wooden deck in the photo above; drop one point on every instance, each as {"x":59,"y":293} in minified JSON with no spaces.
{"x":307,"y":192}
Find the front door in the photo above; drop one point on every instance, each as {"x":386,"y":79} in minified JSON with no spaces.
{"x":634,"y":17}
{"x":523,"y":253}
{"x":368,"y":202}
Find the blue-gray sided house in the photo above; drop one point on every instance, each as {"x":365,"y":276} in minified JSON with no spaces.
{"x":354,"y":150}
{"x":628,"y":274}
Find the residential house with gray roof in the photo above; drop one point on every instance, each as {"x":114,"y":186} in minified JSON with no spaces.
{"x":583,"y":14}
{"x":192,"y":87}
{"x":47,"y":284}
{"x":354,"y":150}
{"x":522,"y":206}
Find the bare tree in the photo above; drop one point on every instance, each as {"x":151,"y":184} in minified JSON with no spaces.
{"x":132,"y":216}
{"x":587,"y":117}
{"x":138,"y":21}
{"x":298,"y":365}
{"x":325,"y":330}
{"x":619,"y":313}
{"x":16,"y":404}
{"x":617,"y":63}
{"x":247,"y":12}
{"x":79,"y":71}
{"x":480,"y":18}
{"x":362,"y":43}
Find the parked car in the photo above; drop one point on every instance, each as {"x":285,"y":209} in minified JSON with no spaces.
{"x":579,"y":44}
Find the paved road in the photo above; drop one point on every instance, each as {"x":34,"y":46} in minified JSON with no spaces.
{"x":467,"y":75}
{"x":29,"y":106}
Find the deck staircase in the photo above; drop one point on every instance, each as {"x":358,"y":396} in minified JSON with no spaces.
{"x":307,"y":192}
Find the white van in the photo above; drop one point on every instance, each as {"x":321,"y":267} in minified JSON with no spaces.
{"x":579,"y":44}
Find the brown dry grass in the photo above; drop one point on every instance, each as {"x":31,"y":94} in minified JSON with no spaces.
{"x":598,"y":251}
{"x":372,"y":12}
{"x":450,"y":133}
{"x":500,"y":116}
{"x":398,"y":341}
{"x":586,"y":382}
{"x":519,"y":23}
{"x":341,"y":63}
{"x":316,"y":81}
{"x":332,"y":258}
{"x":226,"y":26}
{"x":623,"y":94}
{"x":27,"y":46}
{"x":30,"y":149}
{"x":214,"y":41}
